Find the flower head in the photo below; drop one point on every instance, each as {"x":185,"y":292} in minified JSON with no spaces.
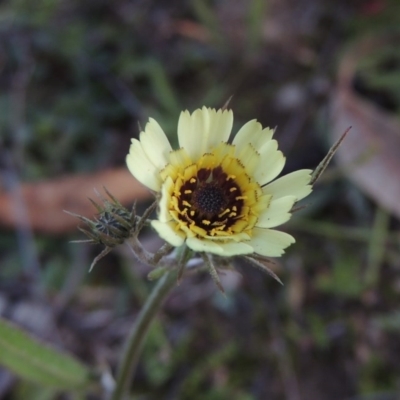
{"x":215,"y":196}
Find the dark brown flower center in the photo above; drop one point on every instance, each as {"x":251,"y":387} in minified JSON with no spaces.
{"x":211,"y":200}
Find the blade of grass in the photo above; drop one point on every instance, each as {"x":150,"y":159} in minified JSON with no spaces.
{"x":39,"y":363}
{"x":331,"y":230}
{"x":376,"y":249}
{"x":255,"y":22}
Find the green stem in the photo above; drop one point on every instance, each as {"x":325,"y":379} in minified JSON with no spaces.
{"x":138,"y":334}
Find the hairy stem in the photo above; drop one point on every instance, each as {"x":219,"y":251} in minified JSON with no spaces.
{"x":138,"y":334}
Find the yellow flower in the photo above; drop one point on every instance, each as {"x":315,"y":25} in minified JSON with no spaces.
{"x":215,"y":196}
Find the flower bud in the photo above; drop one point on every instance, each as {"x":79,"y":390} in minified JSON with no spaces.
{"x":113,"y":224}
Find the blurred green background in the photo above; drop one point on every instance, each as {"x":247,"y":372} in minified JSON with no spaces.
{"x":76,"y":79}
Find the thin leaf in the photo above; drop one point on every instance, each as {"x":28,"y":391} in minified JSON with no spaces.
{"x":39,"y":363}
{"x":161,"y":252}
{"x":299,"y":208}
{"x":184,"y":257}
{"x":226,"y":105}
{"x":99,"y":257}
{"x":213,"y":271}
{"x":96,"y":205}
{"x":376,"y":250}
{"x":81,"y":217}
{"x":157,"y":273}
{"x":327,"y":159}
{"x":181,"y":269}
{"x":263,"y":268}
{"x":145,"y":216}
{"x":115,"y":201}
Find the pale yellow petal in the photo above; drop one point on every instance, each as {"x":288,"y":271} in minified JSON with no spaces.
{"x":142,"y":168}
{"x":252,"y":132}
{"x":222,"y":249}
{"x":235,"y":237}
{"x":277,"y":213}
{"x":220,"y":128}
{"x":180,"y":158}
{"x":293,"y":184}
{"x":267,"y":134}
{"x":250,"y":158}
{"x":169,"y":171}
{"x":167,"y":231}
{"x":271,"y":163}
{"x":155,"y":144}
{"x":188,"y":139}
{"x":223,"y":150}
{"x":202,"y":130}
{"x":203,"y":245}
{"x":164,"y":204}
{"x":270,"y":243}
{"x":235,"y":249}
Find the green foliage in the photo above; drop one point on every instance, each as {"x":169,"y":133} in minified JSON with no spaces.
{"x":157,"y":356}
{"x":256,"y":18}
{"x":38,"y":362}
{"x":379,"y":72}
{"x":201,"y":371}
{"x":389,"y":322}
{"x":374,"y":378}
{"x":377,"y":247}
{"x":207,"y":16}
{"x":28,"y":390}
{"x":318,"y":330}
{"x":345,"y":279}
{"x":386,"y":17}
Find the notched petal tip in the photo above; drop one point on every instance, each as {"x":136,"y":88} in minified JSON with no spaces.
{"x":296,"y":184}
{"x":269,"y":242}
{"x":141,"y":167}
{"x":277,"y":213}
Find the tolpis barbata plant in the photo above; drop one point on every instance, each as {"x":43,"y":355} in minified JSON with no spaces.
{"x":215,"y":198}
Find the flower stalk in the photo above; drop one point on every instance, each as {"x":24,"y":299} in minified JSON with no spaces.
{"x":147,"y":314}
{"x":135,"y":340}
